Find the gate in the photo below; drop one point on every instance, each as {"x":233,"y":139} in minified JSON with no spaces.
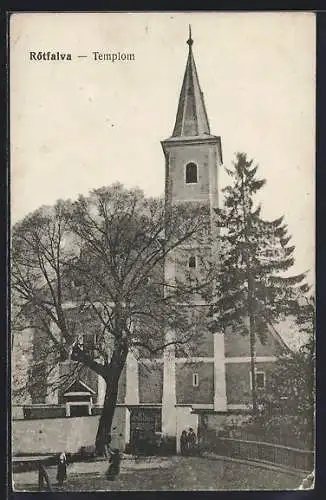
{"x":146,"y":419}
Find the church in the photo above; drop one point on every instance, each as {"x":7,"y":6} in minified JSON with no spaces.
{"x":173,"y":392}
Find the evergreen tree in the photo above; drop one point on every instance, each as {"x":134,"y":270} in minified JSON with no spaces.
{"x":252,"y":290}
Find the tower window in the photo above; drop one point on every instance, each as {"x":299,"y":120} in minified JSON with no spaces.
{"x":195,"y":380}
{"x":260,"y":380}
{"x":192,"y":262}
{"x":191,"y":173}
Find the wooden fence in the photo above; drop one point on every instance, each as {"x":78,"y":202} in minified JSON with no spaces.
{"x":284,"y":456}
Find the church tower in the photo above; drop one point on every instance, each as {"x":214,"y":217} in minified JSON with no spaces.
{"x":192,"y":159}
{"x":192,"y":154}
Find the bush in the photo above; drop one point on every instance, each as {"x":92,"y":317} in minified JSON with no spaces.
{"x":287,"y":430}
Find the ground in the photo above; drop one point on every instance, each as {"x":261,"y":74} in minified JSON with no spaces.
{"x":172,"y":473}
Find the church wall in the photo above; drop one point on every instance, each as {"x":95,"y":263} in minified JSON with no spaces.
{"x":201,"y":346}
{"x":238,"y":388}
{"x":185,"y":392}
{"x":238,"y":345}
{"x":237,"y":383}
{"x":150,"y":382}
{"x":182,"y":270}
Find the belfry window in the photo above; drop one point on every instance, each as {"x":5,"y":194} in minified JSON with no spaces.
{"x":192,"y":262}
{"x":191,"y":173}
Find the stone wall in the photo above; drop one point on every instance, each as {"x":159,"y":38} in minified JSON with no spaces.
{"x":63,"y":434}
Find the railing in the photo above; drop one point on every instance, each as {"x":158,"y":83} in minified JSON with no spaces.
{"x":302,"y":460}
{"x":275,"y":438}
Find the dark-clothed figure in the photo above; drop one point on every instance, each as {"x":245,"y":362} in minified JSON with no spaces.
{"x":43,"y":477}
{"x":135,"y":441}
{"x":62,"y":469}
{"x":184,"y":443}
{"x":192,"y":441}
{"x":114,"y":468}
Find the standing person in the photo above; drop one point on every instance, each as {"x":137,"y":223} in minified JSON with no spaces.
{"x":43,"y":476}
{"x":114,"y":468}
{"x":135,"y":441}
{"x":192,"y":440}
{"x":62,"y":469}
{"x":183,"y":443}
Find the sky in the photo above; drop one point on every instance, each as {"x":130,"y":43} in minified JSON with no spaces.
{"x":81,"y":124}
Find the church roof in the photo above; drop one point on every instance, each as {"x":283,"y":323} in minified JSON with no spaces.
{"x":191,"y":117}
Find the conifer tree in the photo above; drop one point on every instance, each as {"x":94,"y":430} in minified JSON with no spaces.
{"x":253,"y":290}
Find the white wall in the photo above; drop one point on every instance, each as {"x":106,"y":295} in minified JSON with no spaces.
{"x":63,"y":434}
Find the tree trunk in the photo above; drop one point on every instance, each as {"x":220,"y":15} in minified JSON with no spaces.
{"x":111,"y":394}
{"x":106,"y":418}
{"x":252,"y":337}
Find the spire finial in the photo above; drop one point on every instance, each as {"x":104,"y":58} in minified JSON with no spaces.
{"x":190,"y":40}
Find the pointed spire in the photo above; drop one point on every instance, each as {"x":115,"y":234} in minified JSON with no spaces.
{"x":190,"y":40}
{"x":191,"y":117}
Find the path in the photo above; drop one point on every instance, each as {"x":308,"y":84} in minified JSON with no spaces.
{"x":170,"y":473}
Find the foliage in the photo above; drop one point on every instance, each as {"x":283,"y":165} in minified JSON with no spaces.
{"x":90,"y":277}
{"x":252,"y":291}
{"x":288,"y":406}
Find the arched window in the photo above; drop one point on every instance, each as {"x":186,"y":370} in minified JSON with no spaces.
{"x":192,"y":262}
{"x":191,"y":173}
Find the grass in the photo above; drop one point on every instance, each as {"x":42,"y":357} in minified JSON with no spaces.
{"x":172,"y":473}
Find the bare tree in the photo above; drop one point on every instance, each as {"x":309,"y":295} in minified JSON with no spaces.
{"x":107,"y":258}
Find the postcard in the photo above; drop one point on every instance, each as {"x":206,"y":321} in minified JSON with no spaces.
{"x":162,"y":263}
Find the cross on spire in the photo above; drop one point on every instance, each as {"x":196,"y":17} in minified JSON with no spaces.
{"x":190,"y":40}
{"x":191,"y":119}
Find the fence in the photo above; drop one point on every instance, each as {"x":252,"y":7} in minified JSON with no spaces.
{"x":276,"y":438}
{"x":285,"y":456}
